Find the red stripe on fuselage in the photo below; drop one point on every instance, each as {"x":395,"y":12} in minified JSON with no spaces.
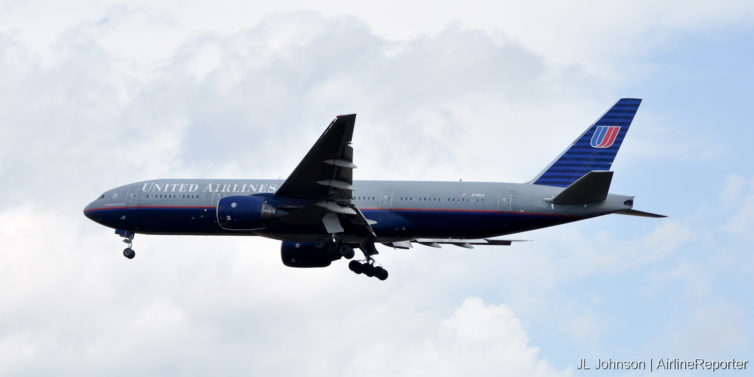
{"x":448,"y":210}
{"x":147,"y":207}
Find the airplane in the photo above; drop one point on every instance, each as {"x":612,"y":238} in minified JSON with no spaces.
{"x":321,"y":214}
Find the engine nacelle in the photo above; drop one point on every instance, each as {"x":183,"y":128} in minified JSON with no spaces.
{"x":306,"y":254}
{"x":244,"y":212}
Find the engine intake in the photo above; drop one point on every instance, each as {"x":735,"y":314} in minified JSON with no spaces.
{"x":306,"y":255}
{"x":245,"y":212}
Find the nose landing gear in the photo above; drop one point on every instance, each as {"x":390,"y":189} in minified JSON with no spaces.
{"x":128,"y":238}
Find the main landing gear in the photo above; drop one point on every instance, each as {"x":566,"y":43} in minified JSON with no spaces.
{"x":128,"y":238}
{"x":367,"y":267}
{"x":339,"y":250}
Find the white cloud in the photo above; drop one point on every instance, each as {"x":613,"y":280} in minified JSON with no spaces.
{"x":477,"y":340}
{"x":603,"y":37}
{"x":710,"y":331}
{"x":196,"y":305}
{"x":733,"y":189}
{"x":604,"y":253}
{"x":738,"y":195}
{"x":585,"y":326}
{"x":217,"y":101}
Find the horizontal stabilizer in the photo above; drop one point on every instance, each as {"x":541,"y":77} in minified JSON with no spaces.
{"x":591,"y":188}
{"x":633,"y":212}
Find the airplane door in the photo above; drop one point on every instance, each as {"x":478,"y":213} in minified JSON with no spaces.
{"x":386,"y":199}
{"x":504,"y":201}
{"x":131,"y":196}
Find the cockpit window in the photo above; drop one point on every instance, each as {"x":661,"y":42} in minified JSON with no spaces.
{"x":101,"y":197}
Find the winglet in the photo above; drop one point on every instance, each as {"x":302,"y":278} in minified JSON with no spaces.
{"x":590,"y":188}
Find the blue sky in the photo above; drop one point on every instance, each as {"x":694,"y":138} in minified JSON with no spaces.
{"x":103,"y":94}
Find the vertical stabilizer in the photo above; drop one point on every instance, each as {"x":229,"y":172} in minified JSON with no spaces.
{"x":595,"y":149}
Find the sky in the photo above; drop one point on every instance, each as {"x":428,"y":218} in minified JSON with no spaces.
{"x":95,"y":95}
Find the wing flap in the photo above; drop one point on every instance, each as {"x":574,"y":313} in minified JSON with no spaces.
{"x":332,"y":223}
{"x":335,"y":207}
{"x":341,"y":163}
{"x":337,"y":184}
{"x":464,"y":243}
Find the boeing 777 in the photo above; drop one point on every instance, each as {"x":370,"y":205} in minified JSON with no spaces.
{"x":321,"y":214}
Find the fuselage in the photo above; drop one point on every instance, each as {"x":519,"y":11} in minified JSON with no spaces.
{"x":398,"y":210}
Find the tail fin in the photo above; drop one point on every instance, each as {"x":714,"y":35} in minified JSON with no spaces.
{"x":595,"y":149}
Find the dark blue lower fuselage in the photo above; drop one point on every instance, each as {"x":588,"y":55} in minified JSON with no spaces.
{"x":391,"y":224}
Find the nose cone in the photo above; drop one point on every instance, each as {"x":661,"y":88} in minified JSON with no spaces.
{"x":89,"y":211}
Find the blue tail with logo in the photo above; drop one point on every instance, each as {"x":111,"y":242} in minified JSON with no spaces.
{"x":595,"y":149}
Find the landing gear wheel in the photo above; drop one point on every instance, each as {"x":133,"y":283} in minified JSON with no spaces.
{"x":367,"y":269}
{"x":355,"y":266}
{"x":129,"y":253}
{"x":380,"y":273}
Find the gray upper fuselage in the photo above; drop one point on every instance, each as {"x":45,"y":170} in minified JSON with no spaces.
{"x":403,"y":210}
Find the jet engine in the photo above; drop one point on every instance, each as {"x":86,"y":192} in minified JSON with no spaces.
{"x":306,"y":254}
{"x":245,"y":212}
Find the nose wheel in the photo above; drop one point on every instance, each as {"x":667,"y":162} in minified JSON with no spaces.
{"x":129,"y":253}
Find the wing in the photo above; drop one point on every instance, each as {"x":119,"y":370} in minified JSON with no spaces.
{"x":326,"y":171}
{"x":325,"y":178}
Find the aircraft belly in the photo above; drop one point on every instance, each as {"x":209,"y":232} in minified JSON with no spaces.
{"x":177,"y":221}
{"x":457,"y":224}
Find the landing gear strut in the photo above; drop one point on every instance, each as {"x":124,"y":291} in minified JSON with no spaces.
{"x":346,"y":251}
{"x":128,"y":238}
{"x":335,"y":248}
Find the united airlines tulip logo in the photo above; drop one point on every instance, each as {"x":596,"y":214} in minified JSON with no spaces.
{"x":604,"y":136}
